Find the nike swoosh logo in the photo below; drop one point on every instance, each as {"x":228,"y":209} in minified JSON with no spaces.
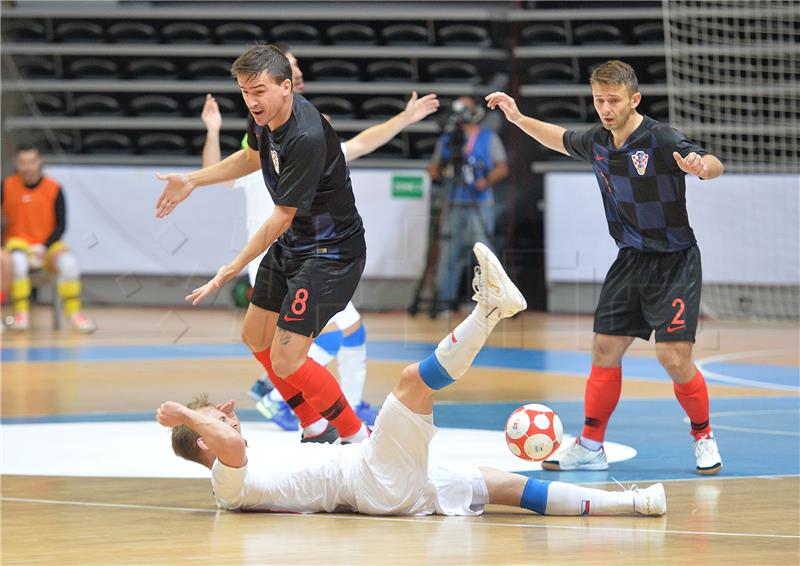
{"x":288,"y":318}
{"x":672,"y":329}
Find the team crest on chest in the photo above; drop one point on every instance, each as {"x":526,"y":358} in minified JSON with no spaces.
{"x":277,"y":165}
{"x":640,"y":159}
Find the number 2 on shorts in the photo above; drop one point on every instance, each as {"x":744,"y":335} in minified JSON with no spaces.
{"x":678,"y":321}
{"x":300,"y":298}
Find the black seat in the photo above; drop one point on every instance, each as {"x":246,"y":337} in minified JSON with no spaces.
{"x":334,"y":70}
{"x":54,"y":142}
{"x":382,"y":107}
{"x":152,"y":69}
{"x":597,"y":33}
{"x":295,"y":34}
{"x":227,"y":105}
{"x":92,"y":68}
{"x":48,"y":104}
{"x":186,"y":32}
{"x":544,"y":34}
{"x":406,"y":34}
{"x":560,"y":110}
{"x":132,"y":32}
{"x":24,"y":31}
{"x":552,"y":72}
{"x":227,"y":144}
{"x":334,"y":106}
{"x":97,"y":105}
{"x":394,"y":71}
{"x":351,"y":33}
{"x":209,"y":69}
{"x":155,"y":105}
{"x":424,"y":147}
{"x":649,"y":32}
{"x":239,"y":32}
{"x":106,"y":142}
{"x":393,"y":148}
{"x":161,"y":143}
{"x":79,"y":32}
{"x":453,"y":71}
{"x":659,"y":110}
{"x":464,"y":35}
{"x":656,"y":72}
{"x":34,"y":67}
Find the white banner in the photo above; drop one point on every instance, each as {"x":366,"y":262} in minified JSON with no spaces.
{"x":112,"y":228}
{"x":747,"y":227}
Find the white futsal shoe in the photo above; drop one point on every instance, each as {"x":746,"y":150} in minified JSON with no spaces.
{"x":577,"y":457}
{"x":706,"y":451}
{"x":650,"y":501}
{"x":492,"y":285}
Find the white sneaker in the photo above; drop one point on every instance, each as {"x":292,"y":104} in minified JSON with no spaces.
{"x":651,"y":501}
{"x":492,"y":285}
{"x":20,"y":321}
{"x":578,"y":457}
{"x":82,"y":323}
{"x":706,"y":451}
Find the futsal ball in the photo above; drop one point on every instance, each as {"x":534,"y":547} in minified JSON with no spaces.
{"x":533,"y":432}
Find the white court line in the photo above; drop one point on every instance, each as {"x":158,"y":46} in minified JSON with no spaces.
{"x":718,"y":426}
{"x":738,"y":380}
{"x":746,"y":413}
{"x":355,"y":517}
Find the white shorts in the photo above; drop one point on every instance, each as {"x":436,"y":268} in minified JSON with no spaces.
{"x":396,"y":476}
{"x":346,"y":318}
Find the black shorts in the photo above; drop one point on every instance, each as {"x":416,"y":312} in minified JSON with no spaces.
{"x":651,"y":291}
{"x":308,"y":291}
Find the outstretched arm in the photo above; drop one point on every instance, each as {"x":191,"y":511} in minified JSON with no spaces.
{"x":706,"y":167}
{"x":549,"y":135}
{"x":372,"y":138}
{"x":213,"y":121}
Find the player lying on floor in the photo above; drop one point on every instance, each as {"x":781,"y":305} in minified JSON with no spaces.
{"x":390,"y":473}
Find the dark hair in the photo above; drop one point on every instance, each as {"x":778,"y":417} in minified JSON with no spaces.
{"x":260,"y":58}
{"x":283,"y":47}
{"x":616,"y":72}
{"x":27,"y":146}
{"x":184,"y":439}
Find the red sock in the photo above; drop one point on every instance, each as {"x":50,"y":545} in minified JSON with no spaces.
{"x":693,"y":397}
{"x":321,"y":391}
{"x":292,"y":396}
{"x":603,"y":389}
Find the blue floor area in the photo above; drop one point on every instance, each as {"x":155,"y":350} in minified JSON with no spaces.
{"x":787,"y":378}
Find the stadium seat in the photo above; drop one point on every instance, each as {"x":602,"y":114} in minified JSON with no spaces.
{"x":239,"y":32}
{"x":658,"y":109}
{"x":453,"y":71}
{"x":597,"y":33}
{"x":295,"y":34}
{"x":424,"y":147}
{"x":161,"y":143}
{"x":552,"y":72}
{"x":132,"y":32}
{"x":405,"y":34}
{"x":393,"y":148}
{"x":79,"y":32}
{"x":351,"y":34}
{"x":550,"y":110}
{"x":209,"y":69}
{"x":464,"y":35}
{"x":152,"y":69}
{"x":34,"y":67}
{"x":186,"y":32}
{"x":92,"y":68}
{"x":106,"y":142}
{"x":649,"y":32}
{"x":656,"y":72}
{"x":228,"y":144}
{"x":334,"y":106}
{"x":97,"y":105}
{"x":334,"y":70}
{"x":155,"y":105}
{"x":382,"y":107}
{"x":48,"y":104}
{"x":24,"y":31}
{"x":227,"y":105}
{"x":54,"y":141}
{"x":394,"y":71}
{"x":544,"y":34}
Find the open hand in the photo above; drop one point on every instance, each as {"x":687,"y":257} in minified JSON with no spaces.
{"x":505,"y":103}
{"x":692,"y":164}
{"x":211,"y":116}
{"x":419,"y":108}
{"x":171,"y":414}
{"x":224,"y":274}
{"x":177,"y":190}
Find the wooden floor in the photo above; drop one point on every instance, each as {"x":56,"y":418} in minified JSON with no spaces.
{"x":77,"y":520}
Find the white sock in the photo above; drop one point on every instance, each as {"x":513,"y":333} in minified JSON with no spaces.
{"x":589,"y":444}
{"x":316,"y":428}
{"x":569,"y":499}
{"x":362,"y":434}
{"x":352,"y":372}
{"x":319,"y":355}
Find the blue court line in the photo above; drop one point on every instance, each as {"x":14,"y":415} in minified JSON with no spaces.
{"x":505,"y":358}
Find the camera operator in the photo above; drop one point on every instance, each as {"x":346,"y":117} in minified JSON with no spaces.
{"x":467,"y":162}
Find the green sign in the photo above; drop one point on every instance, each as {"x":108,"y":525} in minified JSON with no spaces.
{"x":405,"y":186}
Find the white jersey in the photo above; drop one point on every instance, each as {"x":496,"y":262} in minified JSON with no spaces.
{"x":390,"y":473}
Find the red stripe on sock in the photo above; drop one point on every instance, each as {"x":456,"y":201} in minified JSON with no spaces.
{"x":321,"y":391}
{"x":305,"y":412}
{"x":693,"y":397}
{"x":603,"y":389}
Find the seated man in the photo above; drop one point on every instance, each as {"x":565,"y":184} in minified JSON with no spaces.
{"x":390,"y":472}
{"x":35,"y":219}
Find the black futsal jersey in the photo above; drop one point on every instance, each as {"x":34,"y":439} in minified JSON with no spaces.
{"x":304,"y":168}
{"x":643,"y":189}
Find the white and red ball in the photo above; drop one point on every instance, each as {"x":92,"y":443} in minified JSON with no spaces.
{"x":533,"y":432}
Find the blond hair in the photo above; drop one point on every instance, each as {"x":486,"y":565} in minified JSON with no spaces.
{"x":615,"y":72}
{"x":184,"y":439}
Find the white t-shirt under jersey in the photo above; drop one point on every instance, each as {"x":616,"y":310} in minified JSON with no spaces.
{"x":390,"y":473}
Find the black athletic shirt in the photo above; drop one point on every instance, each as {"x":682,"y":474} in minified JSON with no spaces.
{"x":304,"y":168}
{"x":643,"y":189}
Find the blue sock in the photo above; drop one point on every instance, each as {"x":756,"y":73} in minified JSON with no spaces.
{"x":357,"y":338}
{"x":534,"y":496}
{"x":330,"y":341}
{"x":433,"y":374}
